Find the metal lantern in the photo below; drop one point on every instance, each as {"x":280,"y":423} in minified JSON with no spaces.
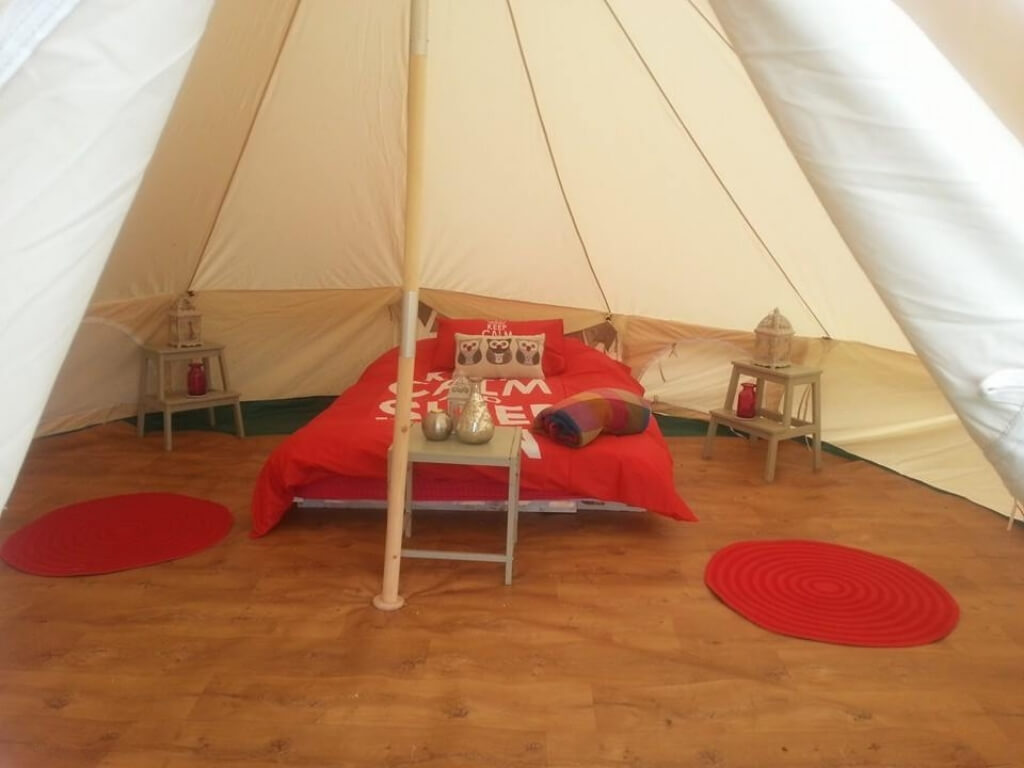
{"x":186,"y":323}
{"x":773,"y":341}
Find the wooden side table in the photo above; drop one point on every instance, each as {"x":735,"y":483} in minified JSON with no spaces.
{"x":769,"y":424}
{"x":171,"y":399}
{"x":502,"y":450}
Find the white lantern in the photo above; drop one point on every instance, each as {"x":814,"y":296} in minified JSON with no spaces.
{"x":185,"y":329}
{"x":773,"y":341}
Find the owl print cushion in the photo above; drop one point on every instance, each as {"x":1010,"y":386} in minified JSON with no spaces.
{"x":553,"y":359}
{"x":499,"y":357}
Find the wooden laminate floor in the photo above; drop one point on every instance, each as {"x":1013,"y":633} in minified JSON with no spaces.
{"x":607,"y":651}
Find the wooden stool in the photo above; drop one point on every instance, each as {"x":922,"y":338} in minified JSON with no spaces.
{"x":170,"y":399}
{"x":771,"y":425}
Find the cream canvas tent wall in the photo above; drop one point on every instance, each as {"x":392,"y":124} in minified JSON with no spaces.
{"x":582,"y":158}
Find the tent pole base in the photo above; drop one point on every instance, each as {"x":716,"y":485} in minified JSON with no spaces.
{"x":386,"y":605}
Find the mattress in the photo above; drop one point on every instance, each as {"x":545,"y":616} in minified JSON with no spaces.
{"x":342,"y":453}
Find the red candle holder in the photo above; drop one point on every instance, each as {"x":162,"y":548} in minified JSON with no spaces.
{"x":746,"y":402}
{"x":196,"y":379}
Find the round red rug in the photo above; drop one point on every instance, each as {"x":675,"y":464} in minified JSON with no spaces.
{"x":116,"y":533}
{"x":831,"y":593}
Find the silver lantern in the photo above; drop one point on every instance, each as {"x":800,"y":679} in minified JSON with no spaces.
{"x":773,"y":341}
{"x":186,"y":323}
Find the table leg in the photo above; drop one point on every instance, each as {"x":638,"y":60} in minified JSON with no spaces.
{"x":408,"y":499}
{"x":512,"y":519}
{"x":816,"y":415}
{"x":161,"y":379}
{"x":515,"y":519}
{"x":759,"y":388}
{"x":140,"y":418}
{"x":161,"y":388}
{"x":787,"y":403}
{"x":730,"y":394}
{"x":208,"y":374}
{"x":239,"y":426}
{"x":769,"y":464}
{"x":223,"y":372}
{"x":710,"y":437}
{"x":167,"y":429}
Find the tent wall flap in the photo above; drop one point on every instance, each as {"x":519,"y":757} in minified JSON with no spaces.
{"x":921,"y":178}
{"x":24,"y":24}
{"x":982,"y":40}
{"x":78,"y":123}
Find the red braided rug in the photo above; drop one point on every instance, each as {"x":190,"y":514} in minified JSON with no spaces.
{"x":831,"y":593}
{"x":116,"y":533}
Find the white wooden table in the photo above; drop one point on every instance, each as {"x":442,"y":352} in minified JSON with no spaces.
{"x":769,"y":424}
{"x":172,"y":396}
{"x":502,"y":450}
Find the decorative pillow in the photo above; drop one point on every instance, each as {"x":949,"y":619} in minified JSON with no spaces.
{"x":581,"y":418}
{"x":499,"y":357}
{"x":553,"y":360}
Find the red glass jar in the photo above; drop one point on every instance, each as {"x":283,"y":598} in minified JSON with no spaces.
{"x":196,"y":379}
{"x":746,"y":402}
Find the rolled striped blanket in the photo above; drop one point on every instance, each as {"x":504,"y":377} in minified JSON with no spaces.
{"x":579,"y":419}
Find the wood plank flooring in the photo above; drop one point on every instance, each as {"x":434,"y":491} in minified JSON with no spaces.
{"x":607,"y":651}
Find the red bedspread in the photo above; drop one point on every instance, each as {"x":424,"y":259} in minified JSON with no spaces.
{"x":353,"y":435}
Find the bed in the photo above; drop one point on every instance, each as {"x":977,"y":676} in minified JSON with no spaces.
{"x":342,"y":453}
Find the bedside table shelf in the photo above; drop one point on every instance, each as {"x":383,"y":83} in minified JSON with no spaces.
{"x":765,"y":426}
{"x":184,"y":402}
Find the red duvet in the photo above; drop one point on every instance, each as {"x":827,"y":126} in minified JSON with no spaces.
{"x":352,"y":437}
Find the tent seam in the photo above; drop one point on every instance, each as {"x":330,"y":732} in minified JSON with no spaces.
{"x":190,"y":285}
{"x":711,"y":24}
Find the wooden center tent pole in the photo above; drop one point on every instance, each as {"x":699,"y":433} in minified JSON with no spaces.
{"x":389,"y":599}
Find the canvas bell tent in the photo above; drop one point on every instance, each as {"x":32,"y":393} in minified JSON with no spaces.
{"x":667,"y":170}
